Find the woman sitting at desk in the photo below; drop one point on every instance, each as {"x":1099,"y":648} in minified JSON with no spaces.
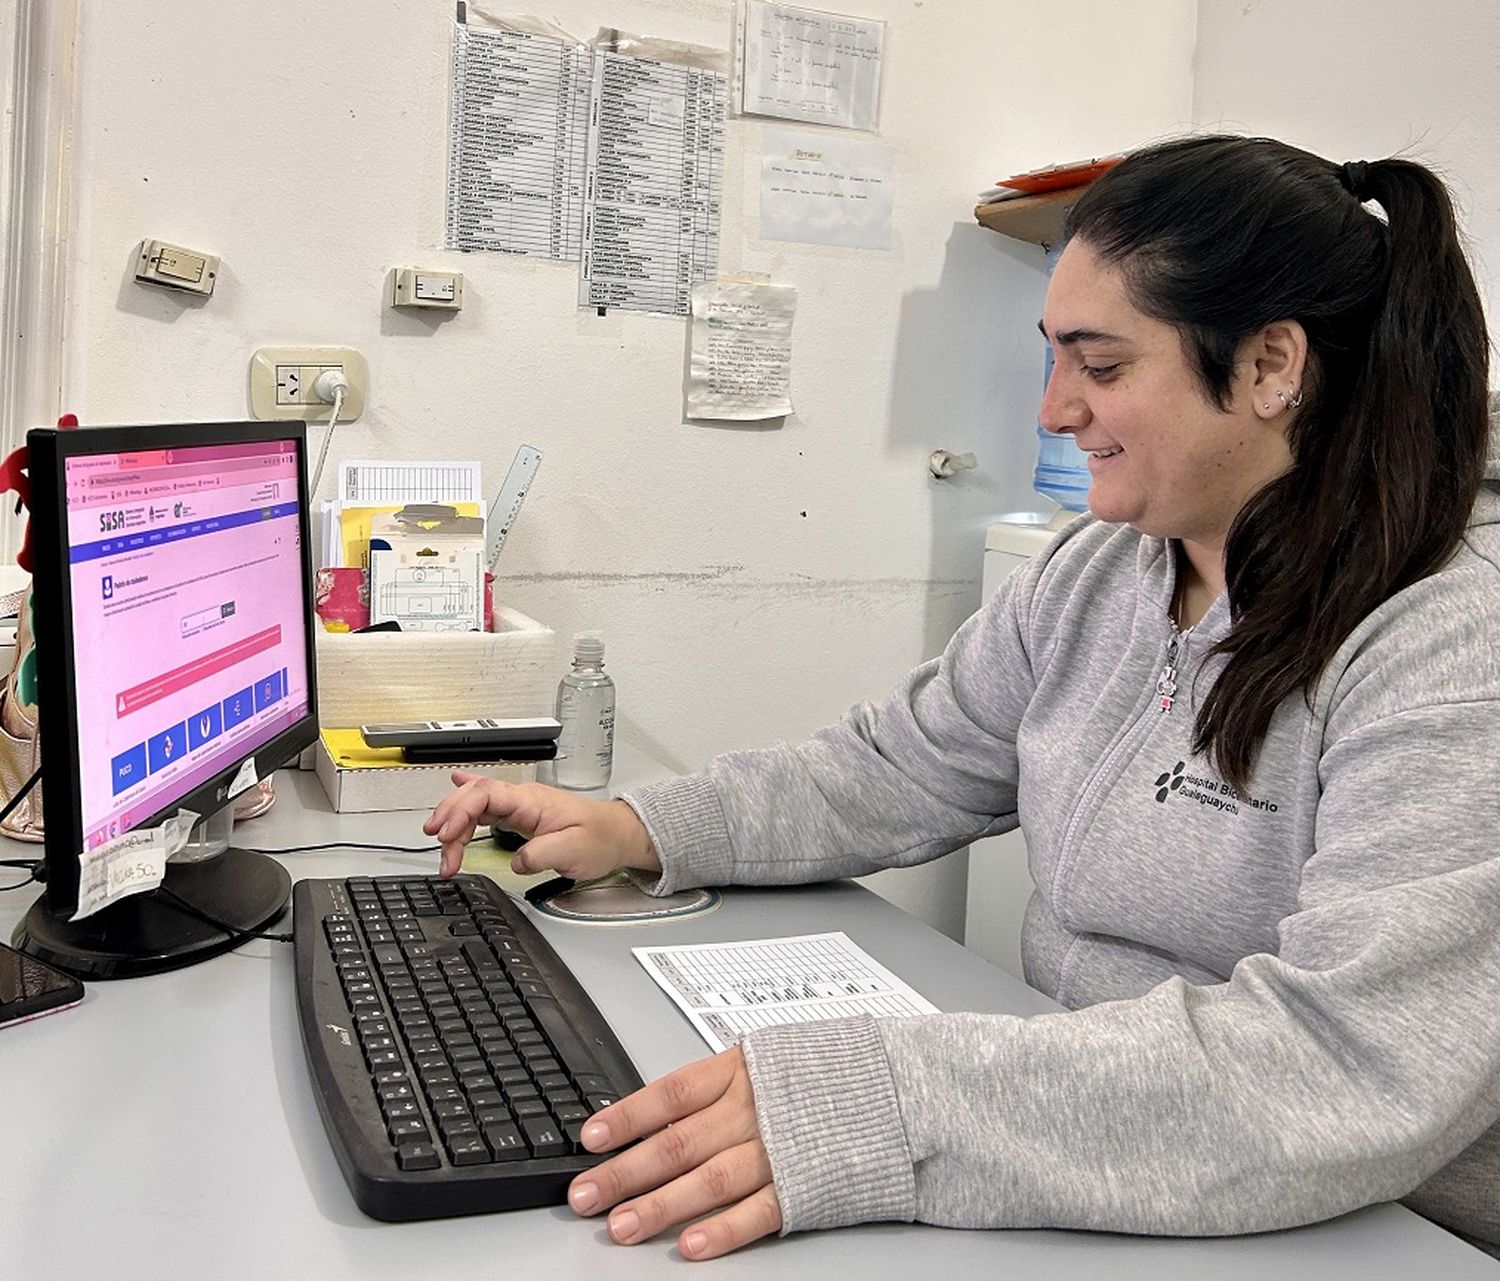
{"x":1250,"y":713}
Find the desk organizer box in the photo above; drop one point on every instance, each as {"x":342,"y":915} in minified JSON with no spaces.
{"x":437,"y":676}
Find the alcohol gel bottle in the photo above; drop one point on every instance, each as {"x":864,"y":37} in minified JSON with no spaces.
{"x":586,"y":708}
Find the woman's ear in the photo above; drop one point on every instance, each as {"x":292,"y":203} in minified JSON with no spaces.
{"x":1277,"y":362}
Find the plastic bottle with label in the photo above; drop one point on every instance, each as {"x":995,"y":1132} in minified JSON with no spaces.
{"x":586,"y":708}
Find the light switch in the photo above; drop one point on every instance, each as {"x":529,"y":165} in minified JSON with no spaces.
{"x":173,"y":267}
{"x":414,"y":287}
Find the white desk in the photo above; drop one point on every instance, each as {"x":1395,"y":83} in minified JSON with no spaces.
{"x":166,"y":1129}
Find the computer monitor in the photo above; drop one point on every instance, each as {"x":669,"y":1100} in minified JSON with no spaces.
{"x":172,"y":604}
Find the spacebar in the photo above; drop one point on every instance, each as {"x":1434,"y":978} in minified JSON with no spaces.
{"x":558,"y":1029}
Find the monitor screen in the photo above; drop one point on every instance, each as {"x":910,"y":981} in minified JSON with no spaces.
{"x":187,"y":594}
{"x":172,"y":604}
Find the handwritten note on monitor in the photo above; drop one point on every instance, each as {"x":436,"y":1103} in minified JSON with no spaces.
{"x":728,"y":990}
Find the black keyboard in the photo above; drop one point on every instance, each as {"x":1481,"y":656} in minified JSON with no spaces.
{"x":454,"y":1056}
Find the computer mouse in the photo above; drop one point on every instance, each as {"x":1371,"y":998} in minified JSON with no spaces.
{"x":507,"y":840}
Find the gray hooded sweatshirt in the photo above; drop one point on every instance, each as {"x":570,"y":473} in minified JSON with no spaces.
{"x":1281,"y":1005}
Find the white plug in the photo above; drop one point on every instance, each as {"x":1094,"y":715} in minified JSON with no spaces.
{"x":330,"y":387}
{"x":328,"y":384}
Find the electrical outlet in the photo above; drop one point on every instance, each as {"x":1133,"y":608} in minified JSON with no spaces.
{"x":281,"y":382}
{"x":288,"y":384}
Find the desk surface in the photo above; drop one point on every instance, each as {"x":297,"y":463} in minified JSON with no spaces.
{"x":166,"y":1128}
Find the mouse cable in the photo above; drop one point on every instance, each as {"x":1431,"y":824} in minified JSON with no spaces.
{"x":31,"y":866}
{"x":171,"y":899}
{"x":350,"y":845}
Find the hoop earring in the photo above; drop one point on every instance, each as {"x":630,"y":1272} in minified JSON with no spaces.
{"x":1281,"y":396}
{"x":1296,"y":399}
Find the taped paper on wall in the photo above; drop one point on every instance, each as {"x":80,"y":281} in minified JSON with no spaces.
{"x":741,"y":364}
{"x":826,"y":191}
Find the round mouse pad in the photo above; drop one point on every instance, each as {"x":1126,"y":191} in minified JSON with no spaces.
{"x":615,"y":900}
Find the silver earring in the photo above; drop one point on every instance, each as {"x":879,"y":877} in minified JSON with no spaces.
{"x":1281,"y":396}
{"x":1296,"y":399}
{"x":1265,"y":404}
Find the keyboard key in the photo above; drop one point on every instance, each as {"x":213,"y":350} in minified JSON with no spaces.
{"x":417,"y":1156}
{"x":505,"y":1142}
{"x":543,"y":1137}
{"x":412,"y":1127}
{"x":469,"y":1151}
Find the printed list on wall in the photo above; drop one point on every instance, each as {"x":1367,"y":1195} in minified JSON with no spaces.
{"x":655,"y":182}
{"x":518,"y":142}
{"x":611,"y":156}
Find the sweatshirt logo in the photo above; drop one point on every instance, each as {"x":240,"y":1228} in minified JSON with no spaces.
{"x":1169,"y":782}
{"x":1208,"y":791}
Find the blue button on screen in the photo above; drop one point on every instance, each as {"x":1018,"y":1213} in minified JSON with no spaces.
{"x":128,"y":768}
{"x":267,"y":690}
{"x":238,"y":707}
{"x":205,"y":725}
{"x":166,"y":747}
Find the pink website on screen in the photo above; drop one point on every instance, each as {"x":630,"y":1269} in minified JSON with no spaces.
{"x":188,"y":624}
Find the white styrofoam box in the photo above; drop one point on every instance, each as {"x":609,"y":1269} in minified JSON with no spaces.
{"x":366,"y":677}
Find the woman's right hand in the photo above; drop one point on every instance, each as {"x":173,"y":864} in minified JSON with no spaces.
{"x":574,"y":836}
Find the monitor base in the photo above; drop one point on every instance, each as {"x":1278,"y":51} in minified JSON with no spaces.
{"x":148,"y":933}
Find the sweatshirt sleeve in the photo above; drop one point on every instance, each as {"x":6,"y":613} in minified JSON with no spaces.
{"x":892,"y":785}
{"x":1342,"y":1071}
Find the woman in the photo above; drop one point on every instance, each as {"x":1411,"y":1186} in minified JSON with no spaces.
{"x":1249,"y":712}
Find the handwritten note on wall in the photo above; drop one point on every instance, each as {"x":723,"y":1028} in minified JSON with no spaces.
{"x":741,"y":362}
{"x":803,"y":64}
{"x":826,"y":190}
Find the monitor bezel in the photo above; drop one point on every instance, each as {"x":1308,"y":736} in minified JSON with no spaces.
{"x":48,"y":450}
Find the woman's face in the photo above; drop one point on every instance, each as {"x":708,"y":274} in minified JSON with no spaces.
{"x":1163,"y":458}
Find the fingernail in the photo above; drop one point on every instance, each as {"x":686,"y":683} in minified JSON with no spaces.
{"x":694,"y":1242}
{"x":584,"y":1197}
{"x":624,"y":1225}
{"x":595,"y":1134}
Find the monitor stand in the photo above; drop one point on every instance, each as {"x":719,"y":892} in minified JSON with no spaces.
{"x":148,"y":933}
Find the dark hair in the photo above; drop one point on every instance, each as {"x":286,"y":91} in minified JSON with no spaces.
{"x":1221,"y":236}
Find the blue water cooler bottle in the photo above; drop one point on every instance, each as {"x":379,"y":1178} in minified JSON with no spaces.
{"x":1062,"y":469}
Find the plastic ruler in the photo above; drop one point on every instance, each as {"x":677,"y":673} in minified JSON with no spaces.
{"x":507,"y":504}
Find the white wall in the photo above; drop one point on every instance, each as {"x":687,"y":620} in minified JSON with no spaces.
{"x":1363,"y":80}
{"x":751,"y":583}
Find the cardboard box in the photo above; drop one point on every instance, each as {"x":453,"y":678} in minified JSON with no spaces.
{"x":363,"y":780}
{"x":368,"y":677}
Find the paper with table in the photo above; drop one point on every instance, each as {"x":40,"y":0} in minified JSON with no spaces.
{"x":608,"y":153}
{"x":729,"y":990}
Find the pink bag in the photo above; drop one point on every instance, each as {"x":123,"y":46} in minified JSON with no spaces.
{"x":20,"y":753}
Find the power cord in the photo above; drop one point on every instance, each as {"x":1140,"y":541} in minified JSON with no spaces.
{"x":331,"y":386}
{"x":31,"y":866}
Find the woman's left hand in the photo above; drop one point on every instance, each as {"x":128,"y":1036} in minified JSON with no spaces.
{"x":700,"y":1152}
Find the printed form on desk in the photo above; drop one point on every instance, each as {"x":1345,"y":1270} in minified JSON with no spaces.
{"x":728,"y":990}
